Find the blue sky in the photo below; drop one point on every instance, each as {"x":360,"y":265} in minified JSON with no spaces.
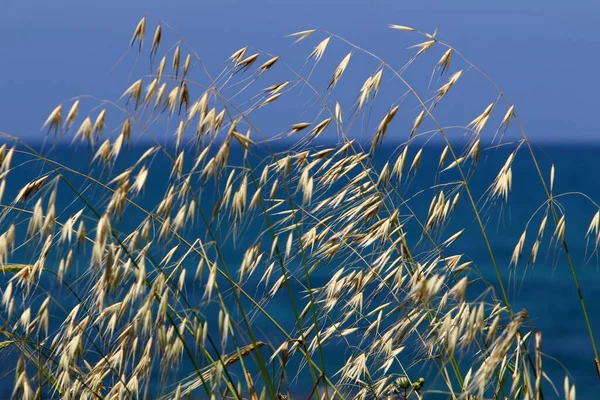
{"x":544,"y":54}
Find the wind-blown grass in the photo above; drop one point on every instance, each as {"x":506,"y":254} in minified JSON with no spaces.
{"x":111,"y":294}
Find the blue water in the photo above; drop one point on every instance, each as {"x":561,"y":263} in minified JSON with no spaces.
{"x":545,"y":290}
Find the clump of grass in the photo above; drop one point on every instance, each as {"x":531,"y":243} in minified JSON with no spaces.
{"x":123,"y":280}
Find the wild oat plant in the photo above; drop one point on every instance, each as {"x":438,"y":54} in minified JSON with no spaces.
{"x":128,"y":280}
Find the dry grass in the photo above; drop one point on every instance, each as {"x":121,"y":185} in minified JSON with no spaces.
{"x":143,"y":279}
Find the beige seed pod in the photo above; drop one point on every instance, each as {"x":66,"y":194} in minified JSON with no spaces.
{"x":267,"y":65}
{"x":416,"y":161}
{"x":73,"y":111}
{"x":186,"y":64}
{"x":156,"y":39}
{"x":339,"y":71}
{"x":176,"y":60}
{"x":423,"y":47}
{"x":100,"y":122}
{"x":86,"y":131}
{"x":238,"y":55}
{"x":338,"y":113}
{"x":54,"y":121}
{"x":444,"y":62}
{"x":400,"y":28}
{"x":320,"y":127}
{"x":160,"y":94}
{"x":518,"y":250}
{"x":417,"y":123}
{"x":319,"y":50}
{"x":161,"y":67}
{"x":139,"y":33}
{"x":247,"y":62}
{"x":299,"y":126}
{"x":302,"y":35}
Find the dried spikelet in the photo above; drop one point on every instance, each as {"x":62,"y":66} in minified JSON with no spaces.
{"x":67,"y":229}
{"x":423,"y":47}
{"x":268,"y":64}
{"x":238,"y":55}
{"x":319,"y":50}
{"x":176,"y":61}
{"x":134,"y":92}
{"x":559,"y":232}
{"x":594,"y":226}
{"x":503,"y":182}
{"x":255,"y":199}
{"x":299,"y":127}
{"x":210,"y":283}
{"x":36,"y":220}
{"x":534,"y":251}
{"x":479,"y":123}
{"x":100,"y":122}
{"x":125,"y":132}
{"x":569,"y":393}
{"x":86,"y":131}
{"x":474,"y":150}
{"x":376,"y":83}
{"x":416,"y":160}
{"x":140,"y":180}
{"x":452,"y":238}
{"x":179,"y":133}
{"x":186,"y":64}
{"x":369,"y":89}
{"x":72,"y":114}
{"x":103,"y":152}
{"x":2,"y":188}
{"x":246,"y":63}
{"x":184,"y":97}
{"x":338,"y":113}
{"x":339,"y":71}
{"x":302,"y":35}
{"x":443,"y":90}
{"x":177,"y":166}
{"x":156,"y":40}
{"x":507,"y":118}
{"x":199,"y":107}
{"x":400,"y":28}
{"x":219,"y":120}
{"x":384,"y":175}
{"x":276,"y":87}
{"x":54,"y":121}
{"x":444,"y":62}
{"x":244,"y":141}
{"x":417,"y":123}
{"x":551,"y":177}
{"x":151,"y":90}
{"x":518,"y":250}
{"x":30,"y":188}
{"x":443,"y":156}
{"x":160,"y":94}
{"x":382,"y":129}
{"x":102,"y":232}
{"x":139,"y":33}
{"x":81,"y":234}
{"x":320,"y":127}
{"x":172,"y":99}
{"x":454,"y":163}
{"x":161,"y":67}
{"x":165,"y":228}
{"x":271,"y":99}
{"x":399,"y":164}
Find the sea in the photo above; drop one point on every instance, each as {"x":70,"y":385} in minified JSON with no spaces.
{"x":546,"y":290}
